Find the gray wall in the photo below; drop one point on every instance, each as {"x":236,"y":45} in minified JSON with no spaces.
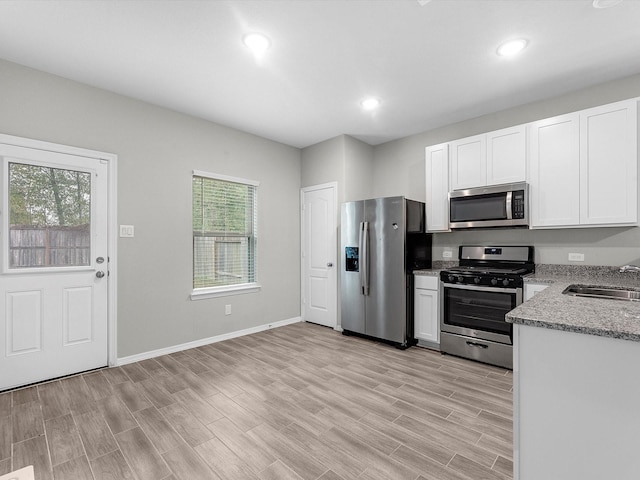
{"x":157,"y":150}
{"x":341,"y":159}
{"x":398,"y":169}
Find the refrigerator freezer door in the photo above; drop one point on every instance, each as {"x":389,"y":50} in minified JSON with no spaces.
{"x":351,"y":298}
{"x":385,"y":306}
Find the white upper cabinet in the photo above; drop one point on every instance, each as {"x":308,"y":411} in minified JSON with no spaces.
{"x":507,"y":156}
{"x":609,"y":164}
{"x":437,"y":184}
{"x":468,"y":163}
{"x":583,"y":168}
{"x":554,"y":166}
{"x":494,"y":158}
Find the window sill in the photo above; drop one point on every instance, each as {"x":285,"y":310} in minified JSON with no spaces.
{"x":214,"y":292}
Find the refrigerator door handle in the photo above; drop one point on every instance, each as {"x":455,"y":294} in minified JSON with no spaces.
{"x":364,"y":260}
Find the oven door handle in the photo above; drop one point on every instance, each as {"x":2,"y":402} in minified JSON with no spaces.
{"x":477,"y":345}
{"x":481,"y":289}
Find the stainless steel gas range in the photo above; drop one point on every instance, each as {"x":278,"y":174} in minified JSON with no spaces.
{"x":476,"y":295}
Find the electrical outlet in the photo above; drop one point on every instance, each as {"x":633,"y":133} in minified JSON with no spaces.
{"x":447,"y":254}
{"x":227,"y":309}
{"x":576,"y":257}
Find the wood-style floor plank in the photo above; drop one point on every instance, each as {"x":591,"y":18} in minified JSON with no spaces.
{"x":158,"y":429}
{"x":27,"y":421}
{"x":95,"y":434}
{"x":223,"y":461}
{"x":75,"y":469}
{"x":111,"y":466}
{"x":5,"y":437}
{"x":186,"y":464}
{"x":64,"y":439}
{"x":140,"y":454}
{"x":53,"y":399}
{"x":33,"y":452}
{"x":297,"y":402}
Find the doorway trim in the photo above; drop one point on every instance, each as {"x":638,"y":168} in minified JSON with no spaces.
{"x":303,"y":190}
{"x":112,"y":225}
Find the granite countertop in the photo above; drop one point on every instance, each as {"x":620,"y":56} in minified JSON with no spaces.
{"x":432,"y":272}
{"x":438,"y":266}
{"x":593,"y":316}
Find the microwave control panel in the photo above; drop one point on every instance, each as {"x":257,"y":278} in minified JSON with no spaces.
{"x":517,"y":206}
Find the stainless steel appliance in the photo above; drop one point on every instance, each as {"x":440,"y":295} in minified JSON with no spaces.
{"x":383,"y":241}
{"x":497,"y":206}
{"x":475,"y":297}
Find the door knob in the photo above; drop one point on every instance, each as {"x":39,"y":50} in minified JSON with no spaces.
{"x":329,"y":264}
{"x":99,"y":274}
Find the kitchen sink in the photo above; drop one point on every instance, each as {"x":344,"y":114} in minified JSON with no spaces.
{"x":612,"y":293}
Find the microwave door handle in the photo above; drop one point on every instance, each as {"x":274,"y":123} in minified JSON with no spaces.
{"x":508,"y":206}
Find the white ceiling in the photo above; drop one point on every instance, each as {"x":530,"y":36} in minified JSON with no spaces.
{"x":431,"y":63}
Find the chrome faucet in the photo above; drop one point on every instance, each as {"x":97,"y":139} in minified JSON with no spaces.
{"x":629,"y":268}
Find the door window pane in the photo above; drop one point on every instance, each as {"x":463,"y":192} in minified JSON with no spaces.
{"x":50,"y":217}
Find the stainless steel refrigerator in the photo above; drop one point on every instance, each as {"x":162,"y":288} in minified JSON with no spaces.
{"x":383,"y":241}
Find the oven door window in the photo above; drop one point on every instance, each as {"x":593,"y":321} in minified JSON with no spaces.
{"x":478,"y":310}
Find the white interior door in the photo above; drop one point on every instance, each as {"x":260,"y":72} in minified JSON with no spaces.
{"x":319,"y":246}
{"x":53,"y":279}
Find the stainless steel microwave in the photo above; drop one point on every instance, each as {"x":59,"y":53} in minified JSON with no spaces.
{"x":496,"y":206}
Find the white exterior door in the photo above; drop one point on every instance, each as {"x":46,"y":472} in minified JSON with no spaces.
{"x":53,"y":277}
{"x":319,"y":246}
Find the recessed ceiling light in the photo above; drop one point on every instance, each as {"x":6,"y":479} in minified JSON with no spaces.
{"x":605,"y":3}
{"x":257,"y":42}
{"x":370,"y":103}
{"x":511,"y":47}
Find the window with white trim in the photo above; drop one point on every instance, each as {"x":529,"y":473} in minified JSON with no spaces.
{"x":224,"y":233}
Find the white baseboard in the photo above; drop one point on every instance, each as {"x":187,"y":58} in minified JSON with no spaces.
{"x":205,"y":341}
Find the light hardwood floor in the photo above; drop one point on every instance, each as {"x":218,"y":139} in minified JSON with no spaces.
{"x":297,"y":402}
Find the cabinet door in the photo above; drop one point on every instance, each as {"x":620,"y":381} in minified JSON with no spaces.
{"x":469,"y":163}
{"x":506,"y":156}
{"x":609,"y":164}
{"x":554,"y":173}
{"x":530,"y":289}
{"x":437,"y":184}
{"x":427,"y":321}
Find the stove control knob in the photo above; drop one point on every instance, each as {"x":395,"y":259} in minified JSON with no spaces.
{"x":494,"y":281}
{"x":451,"y":278}
{"x":460,"y":278}
{"x":476,"y":280}
{"x":505,"y":282}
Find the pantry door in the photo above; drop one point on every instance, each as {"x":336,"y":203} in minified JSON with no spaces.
{"x":319,"y":246}
{"x":53,"y":278}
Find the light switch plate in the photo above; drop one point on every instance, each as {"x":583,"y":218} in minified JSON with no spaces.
{"x":447,"y":254}
{"x":576,"y":257}
{"x":126,"y":231}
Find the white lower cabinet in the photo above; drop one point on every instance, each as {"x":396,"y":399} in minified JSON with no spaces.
{"x":530,"y":289}
{"x":427,"y":310}
{"x":576,"y":400}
